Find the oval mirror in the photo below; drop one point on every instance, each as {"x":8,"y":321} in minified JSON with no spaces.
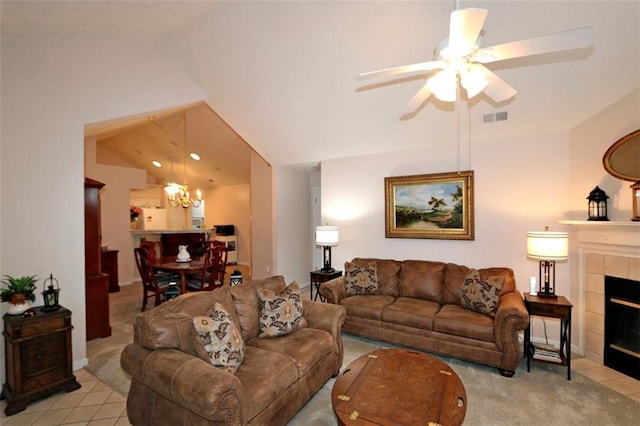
{"x":622,"y":159}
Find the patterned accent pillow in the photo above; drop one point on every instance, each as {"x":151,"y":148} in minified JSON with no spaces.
{"x":361,"y":279}
{"x":281,"y":313}
{"x":481,"y":294}
{"x":218,"y":340}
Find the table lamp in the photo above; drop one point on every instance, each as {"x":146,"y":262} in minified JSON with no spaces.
{"x":327,"y":236}
{"x":547,"y":247}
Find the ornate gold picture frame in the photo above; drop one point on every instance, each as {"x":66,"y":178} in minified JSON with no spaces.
{"x":433,"y":206}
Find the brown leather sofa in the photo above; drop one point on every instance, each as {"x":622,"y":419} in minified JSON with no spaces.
{"x":171,"y":385}
{"x":419,"y":306}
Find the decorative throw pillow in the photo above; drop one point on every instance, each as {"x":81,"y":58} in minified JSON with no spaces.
{"x":361,"y":279}
{"x":481,"y":294}
{"x":218,"y":340}
{"x":281,"y":313}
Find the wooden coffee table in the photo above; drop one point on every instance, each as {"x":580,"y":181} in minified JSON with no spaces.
{"x":398,"y":387}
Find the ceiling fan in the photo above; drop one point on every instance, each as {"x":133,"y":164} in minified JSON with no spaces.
{"x":461,"y":58}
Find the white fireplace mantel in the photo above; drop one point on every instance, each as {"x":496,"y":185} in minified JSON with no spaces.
{"x":611,"y":233}
{"x":603,"y":248}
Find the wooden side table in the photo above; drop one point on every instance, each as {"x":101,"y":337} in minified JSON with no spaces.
{"x":318,"y":277}
{"x":560,"y":308}
{"x":38,"y":357}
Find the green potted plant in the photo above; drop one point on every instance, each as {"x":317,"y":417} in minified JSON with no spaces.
{"x":19,"y":292}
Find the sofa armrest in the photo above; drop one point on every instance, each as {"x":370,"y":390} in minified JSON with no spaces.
{"x":325,"y":316}
{"x":334,"y":290}
{"x":181,"y":377}
{"x":511,"y":317}
{"x":330,"y":318}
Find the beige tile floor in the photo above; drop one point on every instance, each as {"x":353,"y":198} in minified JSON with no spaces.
{"x":93,"y":404}
{"x":610,"y":378}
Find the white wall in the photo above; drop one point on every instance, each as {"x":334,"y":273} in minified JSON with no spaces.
{"x":521,"y":184}
{"x":48,"y":95}
{"x":589,"y":141}
{"x":114,"y":207}
{"x":263,"y":249}
{"x":516,"y":189}
{"x":293,"y":219}
{"x":230,"y":205}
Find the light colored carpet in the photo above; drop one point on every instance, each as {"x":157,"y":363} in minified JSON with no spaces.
{"x":543,"y":396}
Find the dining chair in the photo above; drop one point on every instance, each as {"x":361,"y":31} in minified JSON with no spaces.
{"x":213,"y":270}
{"x":151,"y":287}
{"x":153,"y":249}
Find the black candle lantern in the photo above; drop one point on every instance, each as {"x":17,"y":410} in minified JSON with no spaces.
{"x":50,"y":295}
{"x":597,"y":204}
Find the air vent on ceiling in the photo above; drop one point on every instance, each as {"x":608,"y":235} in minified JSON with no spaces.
{"x":492,"y":117}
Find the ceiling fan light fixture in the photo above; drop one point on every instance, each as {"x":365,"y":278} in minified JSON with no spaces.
{"x":473,"y":81}
{"x":443,"y":85}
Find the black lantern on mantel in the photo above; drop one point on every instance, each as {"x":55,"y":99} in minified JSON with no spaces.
{"x":50,"y":294}
{"x":597,"y":204}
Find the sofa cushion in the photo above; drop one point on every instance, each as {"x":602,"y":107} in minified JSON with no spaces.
{"x":507,"y":273}
{"x":411,"y":312}
{"x":387,"y":274}
{"x":169,"y":325}
{"x":306,"y":346}
{"x":361,"y":279}
{"x":369,"y":307}
{"x":421,"y":279}
{"x":217,"y":339}
{"x":454,"y":276}
{"x":281,"y":312}
{"x":247,"y":306}
{"x":480,"y":294}
{"x":264,"y":375}
{"x":456,"y":320}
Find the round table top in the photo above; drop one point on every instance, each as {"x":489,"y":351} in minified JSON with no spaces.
{"x":399,"y":387}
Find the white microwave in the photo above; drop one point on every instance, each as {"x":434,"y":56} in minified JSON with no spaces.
{"x":197,"y":222}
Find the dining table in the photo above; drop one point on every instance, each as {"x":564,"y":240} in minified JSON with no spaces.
{"x":184,"y":269}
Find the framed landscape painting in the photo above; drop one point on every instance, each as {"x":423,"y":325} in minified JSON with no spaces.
{"x":435,"y":206}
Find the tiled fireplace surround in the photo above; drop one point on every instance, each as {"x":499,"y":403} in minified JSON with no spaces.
{"x":604,"y":248}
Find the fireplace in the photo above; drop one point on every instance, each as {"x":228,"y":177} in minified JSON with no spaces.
{"x":622,"y":325}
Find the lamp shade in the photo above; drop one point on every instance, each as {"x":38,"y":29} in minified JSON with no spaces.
{"x":327,"y":235}
{"x":444,"y":85}
{"x":548,"y":245}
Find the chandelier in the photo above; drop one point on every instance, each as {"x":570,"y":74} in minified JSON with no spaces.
{"x":178,"y":195}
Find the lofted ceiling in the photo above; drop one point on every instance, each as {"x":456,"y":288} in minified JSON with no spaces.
{"x":282,"y":74}
{"x":225,"y":159}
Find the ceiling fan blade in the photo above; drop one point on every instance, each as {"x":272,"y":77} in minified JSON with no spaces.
{"x":465,"y":26}
{"x":497,"y":89}
{"x":565,"y":40}
{"x":422,"y":66}
{"x":417,"y":100}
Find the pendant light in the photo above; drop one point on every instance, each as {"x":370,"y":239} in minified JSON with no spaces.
{"x":178,"y":195}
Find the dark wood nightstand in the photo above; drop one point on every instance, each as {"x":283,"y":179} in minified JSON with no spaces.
{"x":560,"y":308}
{"x":38,"y":357}
{"x":318,"y":277}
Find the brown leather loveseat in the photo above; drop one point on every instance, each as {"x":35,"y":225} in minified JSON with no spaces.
{"x":172,"y":385}
{"x":418,"y":304}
